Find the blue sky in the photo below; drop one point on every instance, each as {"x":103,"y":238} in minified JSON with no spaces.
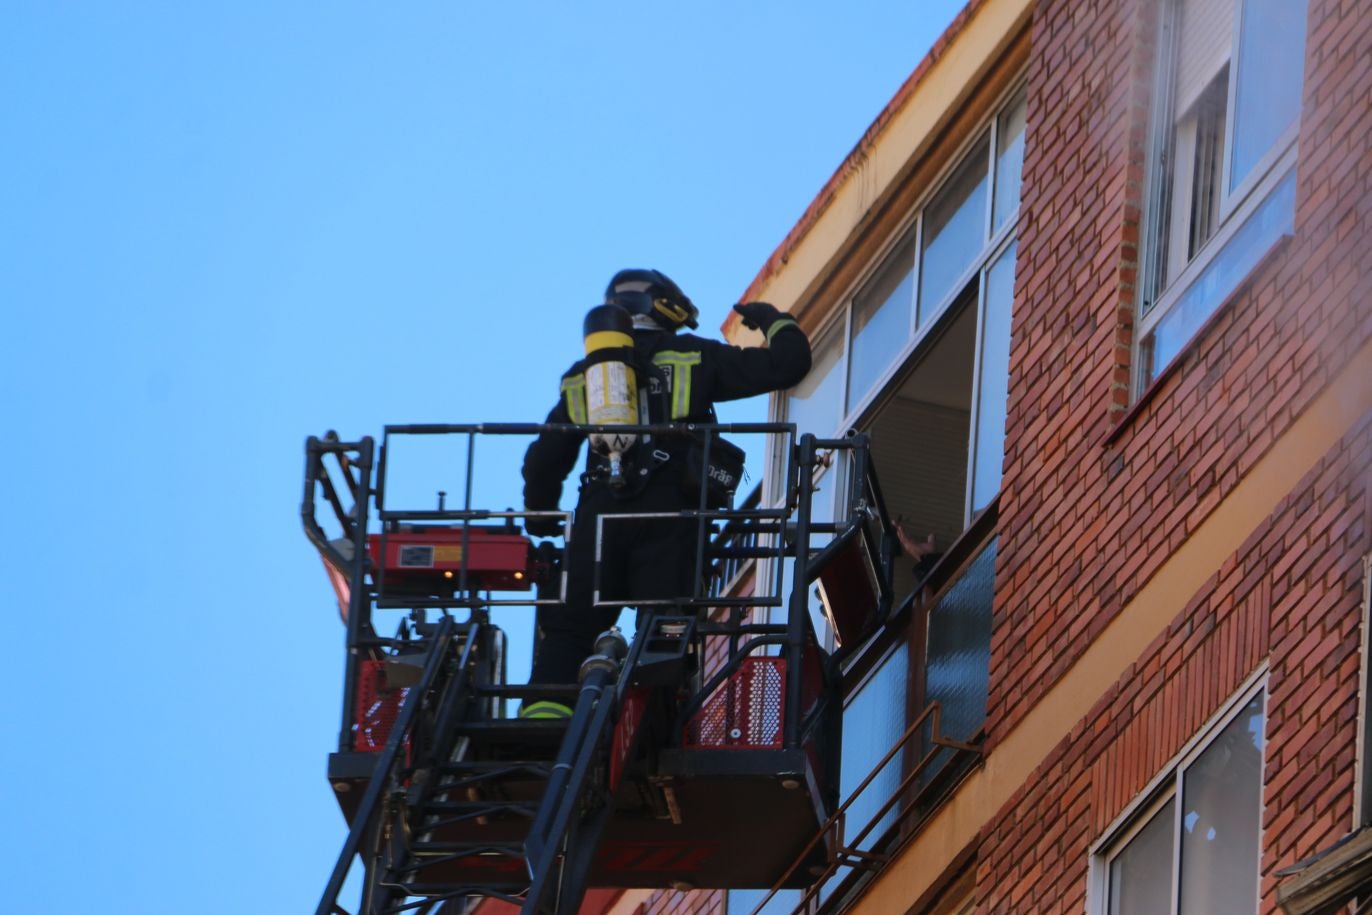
{"x":226,"y":227}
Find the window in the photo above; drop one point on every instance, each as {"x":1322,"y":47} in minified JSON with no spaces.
{"x":1192,"y":846}
{"x":1220,"y":178}
{"x":917,"y":355}
{"x":920,"y":351}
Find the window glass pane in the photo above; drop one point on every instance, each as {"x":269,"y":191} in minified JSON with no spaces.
{"x":1271,"y":66}
{"x":1221,"y":801}
{"x":1141,"y":874}
{"x":813,"y":405}
{"x":1009,"y":161}
{"x":1206,"y":142}
{"x":993,"y":386}
{"x":1205,"y":33}
{"x":823,"y":508}
{"x":881,"y":320}
{"x":954,"y":231}
{"x":1273,"y":219}
{"x":742,"y":902}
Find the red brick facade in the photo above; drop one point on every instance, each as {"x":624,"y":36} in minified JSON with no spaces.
{"x":1292,"y":594}
{"x":1092,"y":502}
{"x":1102,"y":485}
{"x":1095,"y":500}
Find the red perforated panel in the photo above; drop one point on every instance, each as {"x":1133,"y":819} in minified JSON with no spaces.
{"x":745,"y":712}
{"x":377,"y":707}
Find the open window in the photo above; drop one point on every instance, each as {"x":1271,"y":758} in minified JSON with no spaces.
{"x":918,"y":355}
{"x":1221,"y":186}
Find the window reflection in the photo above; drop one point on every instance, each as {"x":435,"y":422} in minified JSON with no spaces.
{"x":1141,"y":874}
{"x":742,"y":902}
{"x":1221,"y":803}
{"x":1273,"y":219}
{"x":993,"y":383}
{"x":954,"y":231}
{"x":1009,"y":161}
{"x":814,"y":404}
{"x":881,"y":320}
{"x":1198,"y":853}
{"x":873,"y":722}
{"x":1267,"y":98}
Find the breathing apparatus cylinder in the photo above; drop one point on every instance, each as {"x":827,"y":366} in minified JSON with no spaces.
{"x":611,"y":385}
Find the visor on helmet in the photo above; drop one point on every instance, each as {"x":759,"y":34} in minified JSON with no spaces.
{"x":651,"y":293}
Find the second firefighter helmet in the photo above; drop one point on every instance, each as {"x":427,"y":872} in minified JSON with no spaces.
{"x":652,"y":294}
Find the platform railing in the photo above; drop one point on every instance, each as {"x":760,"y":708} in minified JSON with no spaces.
{"x":339,"y":475}
{"x":847,"y":852}
{"x":367,"y":820}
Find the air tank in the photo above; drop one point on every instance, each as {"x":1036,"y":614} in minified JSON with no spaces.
{"x":611,"y":385}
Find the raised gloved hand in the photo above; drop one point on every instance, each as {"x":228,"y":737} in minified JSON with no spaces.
{"x":758,"y":315}
{"x":543,"y":527}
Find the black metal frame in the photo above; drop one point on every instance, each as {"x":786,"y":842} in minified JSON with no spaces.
{"x":450,"y":674}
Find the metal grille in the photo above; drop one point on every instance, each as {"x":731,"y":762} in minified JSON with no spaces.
{"x":745,"y":712}
{"x":377,"y":707}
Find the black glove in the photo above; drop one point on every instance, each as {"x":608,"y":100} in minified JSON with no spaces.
{"x":543,"y":527}
{"x":758,"y":315}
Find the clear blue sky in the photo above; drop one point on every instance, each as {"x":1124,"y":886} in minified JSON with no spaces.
{"x":226,"y":227}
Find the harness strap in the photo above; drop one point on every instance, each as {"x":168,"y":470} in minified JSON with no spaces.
{"x":681,"y":364}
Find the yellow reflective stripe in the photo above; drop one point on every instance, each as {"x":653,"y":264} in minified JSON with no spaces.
{"x":681,"y":364}
{"x":778,"y":325}
{"x":574,"y":393}
{"x":607,"y":339}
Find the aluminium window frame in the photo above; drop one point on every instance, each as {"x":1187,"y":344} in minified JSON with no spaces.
{"x":1168,"y":785}
{"x":994,"y":243}
{"x":1157,"y":296}
{"x":840,"y":320}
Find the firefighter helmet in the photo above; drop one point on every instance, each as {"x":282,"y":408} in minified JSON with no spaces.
{"x":651,"y":293}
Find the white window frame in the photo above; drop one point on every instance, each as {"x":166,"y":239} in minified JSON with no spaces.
{"x":995,"y":241}
{"x":1157,"y":295}
{"x":1167,"y":786}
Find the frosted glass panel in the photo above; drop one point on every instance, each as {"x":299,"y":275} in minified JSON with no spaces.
{"x":872,"y":723}
{"x":958,"y":660}
{"x":1221,"y":802}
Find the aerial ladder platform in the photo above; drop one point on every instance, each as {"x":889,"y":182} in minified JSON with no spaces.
{"x":703,"y":752}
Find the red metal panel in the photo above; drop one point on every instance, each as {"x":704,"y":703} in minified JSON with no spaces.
{"x":377,"y":707}
{"x":432,"y":558}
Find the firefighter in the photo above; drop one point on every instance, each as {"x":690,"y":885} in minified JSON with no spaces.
{"x":680,"y":376}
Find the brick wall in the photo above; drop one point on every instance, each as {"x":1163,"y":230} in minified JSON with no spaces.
{"x":1094,"y":500}
{"x":1097,"y":493}
{"x":1293,"y":591}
